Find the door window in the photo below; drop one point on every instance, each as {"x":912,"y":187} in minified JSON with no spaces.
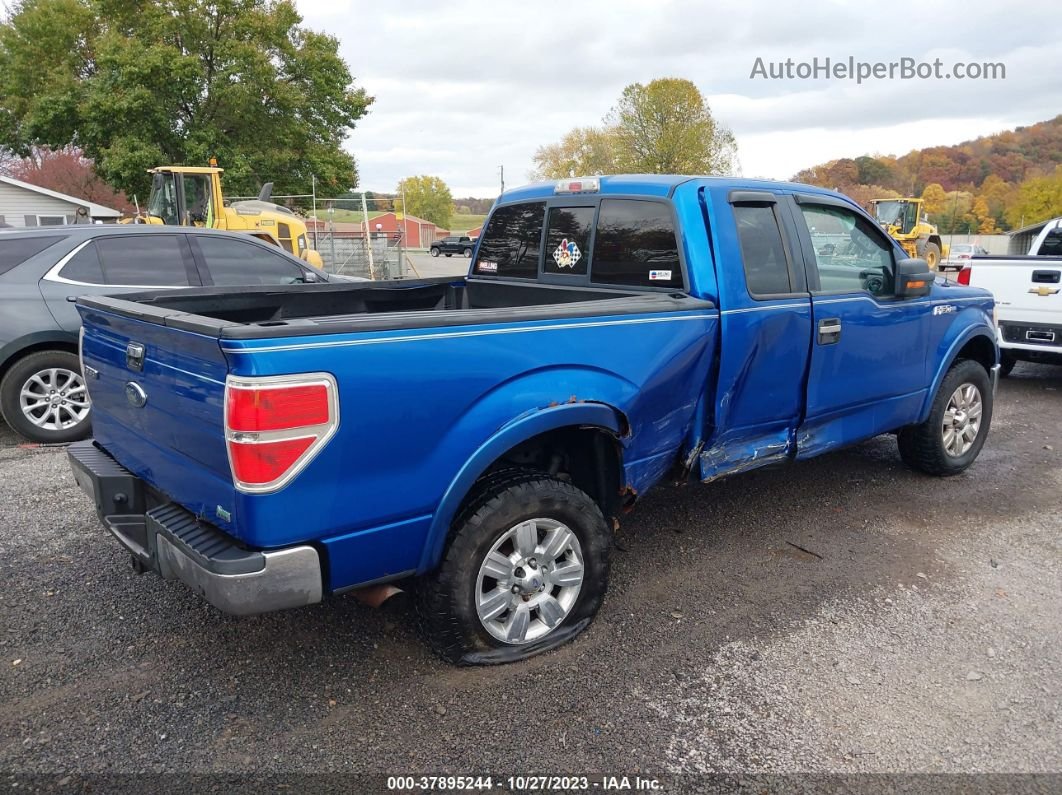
{"x":234,"y":262}
{"x":143,"y":260}
{"x":851,"y":254}
{"x":636,"y":245}
{"x":511,"y":244}
{"x":762,"y":250}
{"x":568,"y":240}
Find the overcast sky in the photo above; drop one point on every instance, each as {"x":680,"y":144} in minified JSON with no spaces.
{"x":464,"y":86}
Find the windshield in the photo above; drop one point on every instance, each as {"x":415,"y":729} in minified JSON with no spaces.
{"x":162,"y":203}
{"x":889,"y":212}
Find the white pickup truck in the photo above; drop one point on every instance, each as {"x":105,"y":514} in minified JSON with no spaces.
{"x":1028,"y":293}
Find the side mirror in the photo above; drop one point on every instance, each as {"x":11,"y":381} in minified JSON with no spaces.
{"x":913,"y":278}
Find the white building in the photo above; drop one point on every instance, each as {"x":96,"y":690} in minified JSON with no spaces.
{"x":22,"y":204}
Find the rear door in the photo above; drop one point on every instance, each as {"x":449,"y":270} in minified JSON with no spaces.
{"x":766,"y":328}
{"x":116,"y":264}
{"x":869,"y":368}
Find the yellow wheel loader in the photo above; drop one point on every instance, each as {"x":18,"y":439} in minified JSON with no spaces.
{"x":191,"y":196}
{"x":908,"y":225}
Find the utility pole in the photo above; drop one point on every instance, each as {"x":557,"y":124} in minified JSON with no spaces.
{"x":368,"y":238}
{"x":313,"y":196}
{"x":501,"y":172}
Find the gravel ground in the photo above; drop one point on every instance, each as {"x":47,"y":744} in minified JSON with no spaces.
{"x":843,"y":615}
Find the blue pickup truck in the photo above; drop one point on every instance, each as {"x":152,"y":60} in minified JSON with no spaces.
{"x":479,"y":438}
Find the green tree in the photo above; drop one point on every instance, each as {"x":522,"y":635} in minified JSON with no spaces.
{"x":581,"y":152}
{"x":934,"y":198}
{"x":428,"y":198}
{"x":666,"y":127}
{"x":137,"y":84}
{"x":663,"y":127}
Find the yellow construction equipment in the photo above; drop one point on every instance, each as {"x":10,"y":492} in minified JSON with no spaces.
{"x":908,"y":225}
{"x":191,"y":196}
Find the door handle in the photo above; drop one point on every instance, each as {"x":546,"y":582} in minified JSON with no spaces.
{"x":829,"y":331}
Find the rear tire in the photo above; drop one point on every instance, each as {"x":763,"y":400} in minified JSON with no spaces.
{"x":435,"y":252}
{"x":525,"y":571}
{"x":43,"y":398}
{"x":467,"y":252}
{"x":958,"y":423}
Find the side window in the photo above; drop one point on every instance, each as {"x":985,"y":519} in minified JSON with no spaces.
{"x":636,"y":245}
{"x":143,"y":260}
{"x":762,"y":250}
{"x":233,"y":262}
{"x":84,"y":266}
{"x":568,"y":240}
{"x":850,"y":253}
{"x":15,"y":251}
{"x":511,"y":243}
{"x":1052,"y":245}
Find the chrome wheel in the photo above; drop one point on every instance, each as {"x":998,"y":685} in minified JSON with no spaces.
{"x":529,"y":581}
{"x":54,"y":399}
{"x":962,"y":420}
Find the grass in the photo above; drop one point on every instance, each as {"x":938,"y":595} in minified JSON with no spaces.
{"x":462,"y":223}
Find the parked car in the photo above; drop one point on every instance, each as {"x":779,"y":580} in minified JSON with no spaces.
{"x":42,"y":392}
{"x":1028,"y":292}
{"x":276,"y":447}
{"x":960,"y":254}
{"x":453,"y":245}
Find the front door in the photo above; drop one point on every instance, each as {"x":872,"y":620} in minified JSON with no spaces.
{"x":868,"y":370}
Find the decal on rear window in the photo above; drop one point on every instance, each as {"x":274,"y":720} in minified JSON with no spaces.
{"x":567,"y":254}
{"x":656,"y":276}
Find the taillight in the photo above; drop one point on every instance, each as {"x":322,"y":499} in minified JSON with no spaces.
{"x":275,"y":425}
{"x":964,"y":275}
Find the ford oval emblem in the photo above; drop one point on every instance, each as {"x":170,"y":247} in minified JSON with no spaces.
{"x":135,"y":394}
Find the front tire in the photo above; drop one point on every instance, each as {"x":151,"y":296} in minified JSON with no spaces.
{"x":1006,"y":363}
{"x":958,"y":423}
{"x":43,"y":398}
{"x":931,"y":254}
{"x":525,"y":571}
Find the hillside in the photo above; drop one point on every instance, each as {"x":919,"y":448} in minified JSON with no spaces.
{"x":984,"y":185}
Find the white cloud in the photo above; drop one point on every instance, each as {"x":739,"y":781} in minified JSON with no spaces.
{"x":465,"y":86}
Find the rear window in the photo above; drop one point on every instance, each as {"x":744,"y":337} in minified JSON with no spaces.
{"x":1052,"y":245}
{"x":143,"y":261}
{"x":511,"y":244}
{"x":568,"y":240}
{"x":15,"y":251}
{"x":636,"y":245}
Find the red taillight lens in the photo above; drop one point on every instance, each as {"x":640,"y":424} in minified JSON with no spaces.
{"x":264,"y":462}
{"x":964,"y":275}
{"x":275,"y":425}
{"x":277,"y":408}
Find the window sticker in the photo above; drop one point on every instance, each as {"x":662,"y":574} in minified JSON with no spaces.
{"x":488,"y":267}
{"x":656,"y":276}
{"x":567,"y":254}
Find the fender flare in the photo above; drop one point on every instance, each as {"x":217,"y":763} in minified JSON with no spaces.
{"x":596,"y":415}
{"x":14,"y":349}
{"x":978,"y":330}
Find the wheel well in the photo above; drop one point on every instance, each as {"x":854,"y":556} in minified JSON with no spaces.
{"x":53,"y":345}
{"x":981,"y":350}
{"x":587,"y":457}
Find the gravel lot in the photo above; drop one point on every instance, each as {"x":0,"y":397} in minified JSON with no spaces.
{"x":920,"y":631}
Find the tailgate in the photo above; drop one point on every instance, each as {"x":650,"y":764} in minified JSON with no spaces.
{"x":158,"y":406}
{"x":1028,"y":288}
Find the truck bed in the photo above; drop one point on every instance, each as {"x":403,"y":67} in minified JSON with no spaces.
{"x":294,"y":310}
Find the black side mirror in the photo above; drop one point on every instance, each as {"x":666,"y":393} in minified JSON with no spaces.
{"x":913,"y":278}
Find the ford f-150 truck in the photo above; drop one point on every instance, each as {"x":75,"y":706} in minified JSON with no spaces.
{"x":1028,"y":293}
{"x":480,"y":437}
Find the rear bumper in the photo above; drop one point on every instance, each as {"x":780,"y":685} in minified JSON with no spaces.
{"x":165,"y":538}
